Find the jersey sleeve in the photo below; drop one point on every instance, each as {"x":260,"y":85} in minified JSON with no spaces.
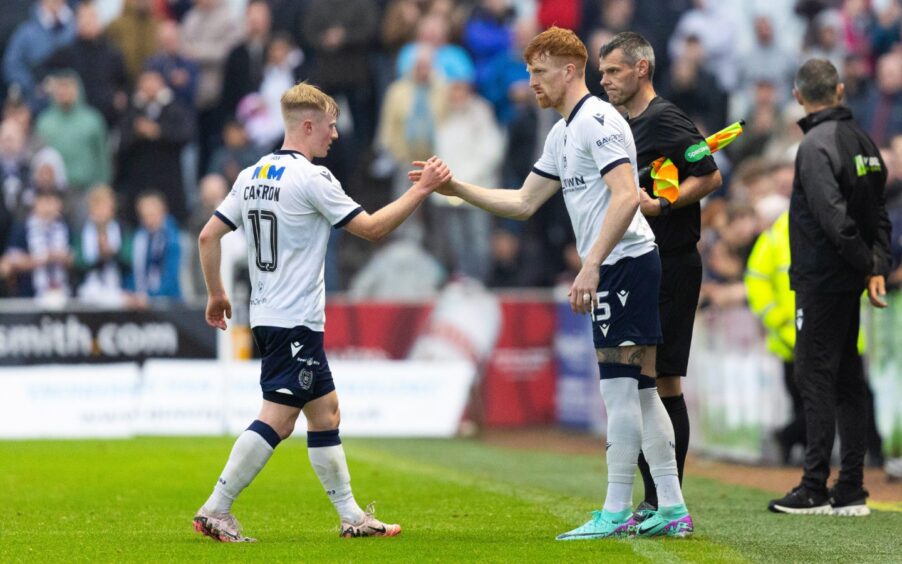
{"x":606,"y":137}
{"x":547,"y":164}
{"x":326,"y":196}
{"x":229,"y":211}
{"x":678,"y":139}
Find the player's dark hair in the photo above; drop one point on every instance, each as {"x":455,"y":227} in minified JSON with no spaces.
{"x":816,"y":81}
{"x":634,"y":47}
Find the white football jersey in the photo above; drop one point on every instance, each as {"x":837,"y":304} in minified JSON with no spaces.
{"x":578,"y":152}
{"x":288,"y":207}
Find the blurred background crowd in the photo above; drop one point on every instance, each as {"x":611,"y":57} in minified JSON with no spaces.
{"x":125,"y":122}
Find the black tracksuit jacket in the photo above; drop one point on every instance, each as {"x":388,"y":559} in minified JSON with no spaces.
{"x":839,"y":231}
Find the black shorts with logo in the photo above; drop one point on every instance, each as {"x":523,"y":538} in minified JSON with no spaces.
{"x":294,"y":369}
{"x":627,"y":312}
{"x":681,"y":282}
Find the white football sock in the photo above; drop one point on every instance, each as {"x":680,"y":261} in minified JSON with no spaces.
{"x":248,"y":456}
{"x":618,"y":497}
{"x":658,"y":447}
{"x":624,"y":439}
{"x":331,"y":467}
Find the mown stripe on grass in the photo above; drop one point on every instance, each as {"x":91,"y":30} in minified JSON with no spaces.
{"x":564,"y":508}
{"x":569,"y":509}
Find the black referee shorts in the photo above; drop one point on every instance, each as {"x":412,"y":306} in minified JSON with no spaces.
{"x":681,"y":283}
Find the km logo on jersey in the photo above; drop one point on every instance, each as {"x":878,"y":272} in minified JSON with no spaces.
{"x":269,"y":172}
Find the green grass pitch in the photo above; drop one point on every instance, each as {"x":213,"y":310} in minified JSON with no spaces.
{"x":457,"y":500}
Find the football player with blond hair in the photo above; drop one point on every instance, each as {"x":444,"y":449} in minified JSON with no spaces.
{"x":288,"y":206}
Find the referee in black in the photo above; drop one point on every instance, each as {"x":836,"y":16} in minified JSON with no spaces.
{"x":627,"y":65}
{"x":839,"y":242}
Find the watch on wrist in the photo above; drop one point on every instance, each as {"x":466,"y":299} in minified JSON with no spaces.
{"x":665,"y":205}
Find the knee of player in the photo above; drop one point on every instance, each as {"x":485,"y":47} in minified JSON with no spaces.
{"x":332,"y":420}
{"x":285,"y":429}
{"x":324,"y":421}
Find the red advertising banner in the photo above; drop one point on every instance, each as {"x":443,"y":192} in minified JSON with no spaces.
{"x":517,"y":380}
{"x":362,"y":330}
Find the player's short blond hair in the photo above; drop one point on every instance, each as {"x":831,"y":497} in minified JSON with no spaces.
{"x":303,"y":96}
{"x":558,"y":42}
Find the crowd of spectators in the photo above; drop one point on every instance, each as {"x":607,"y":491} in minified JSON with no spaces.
{"x":124,"y":123}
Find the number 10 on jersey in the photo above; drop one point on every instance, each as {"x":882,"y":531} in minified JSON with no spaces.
{"x":266,"y":238}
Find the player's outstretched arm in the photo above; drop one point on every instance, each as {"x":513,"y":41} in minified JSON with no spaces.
{"x":376,"y":226}
{"x":621,"y":210}
{"x":514,"y":204}
{"x":209,"y":244}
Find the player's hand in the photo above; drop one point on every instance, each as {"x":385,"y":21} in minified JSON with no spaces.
{"x":218,"y":310}
{"x":417,"y":174}
{"x":876,"y":291}
{"x":582,"y":292}
{"x":650,"y":207}
{"x":446,"y":189}
{"x":434,"y":173}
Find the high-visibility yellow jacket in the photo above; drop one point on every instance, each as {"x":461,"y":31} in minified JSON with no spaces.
{"x":769,"y":295}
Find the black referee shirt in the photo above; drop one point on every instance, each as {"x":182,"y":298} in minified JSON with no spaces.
{"x":664,"y":130}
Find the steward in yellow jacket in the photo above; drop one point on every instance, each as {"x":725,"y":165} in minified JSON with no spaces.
{"x":768,"y":292}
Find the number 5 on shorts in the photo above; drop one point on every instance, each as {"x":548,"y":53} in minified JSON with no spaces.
{"x":603,"y":311}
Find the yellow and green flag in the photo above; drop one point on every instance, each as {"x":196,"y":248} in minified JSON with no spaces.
{"x":665,"y":174}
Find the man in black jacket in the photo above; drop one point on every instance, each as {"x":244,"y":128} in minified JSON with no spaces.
{"x":839,"y":235}
{"x":154,"y":129}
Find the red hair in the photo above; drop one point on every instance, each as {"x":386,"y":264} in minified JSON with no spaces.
{"x":557,"y":42}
